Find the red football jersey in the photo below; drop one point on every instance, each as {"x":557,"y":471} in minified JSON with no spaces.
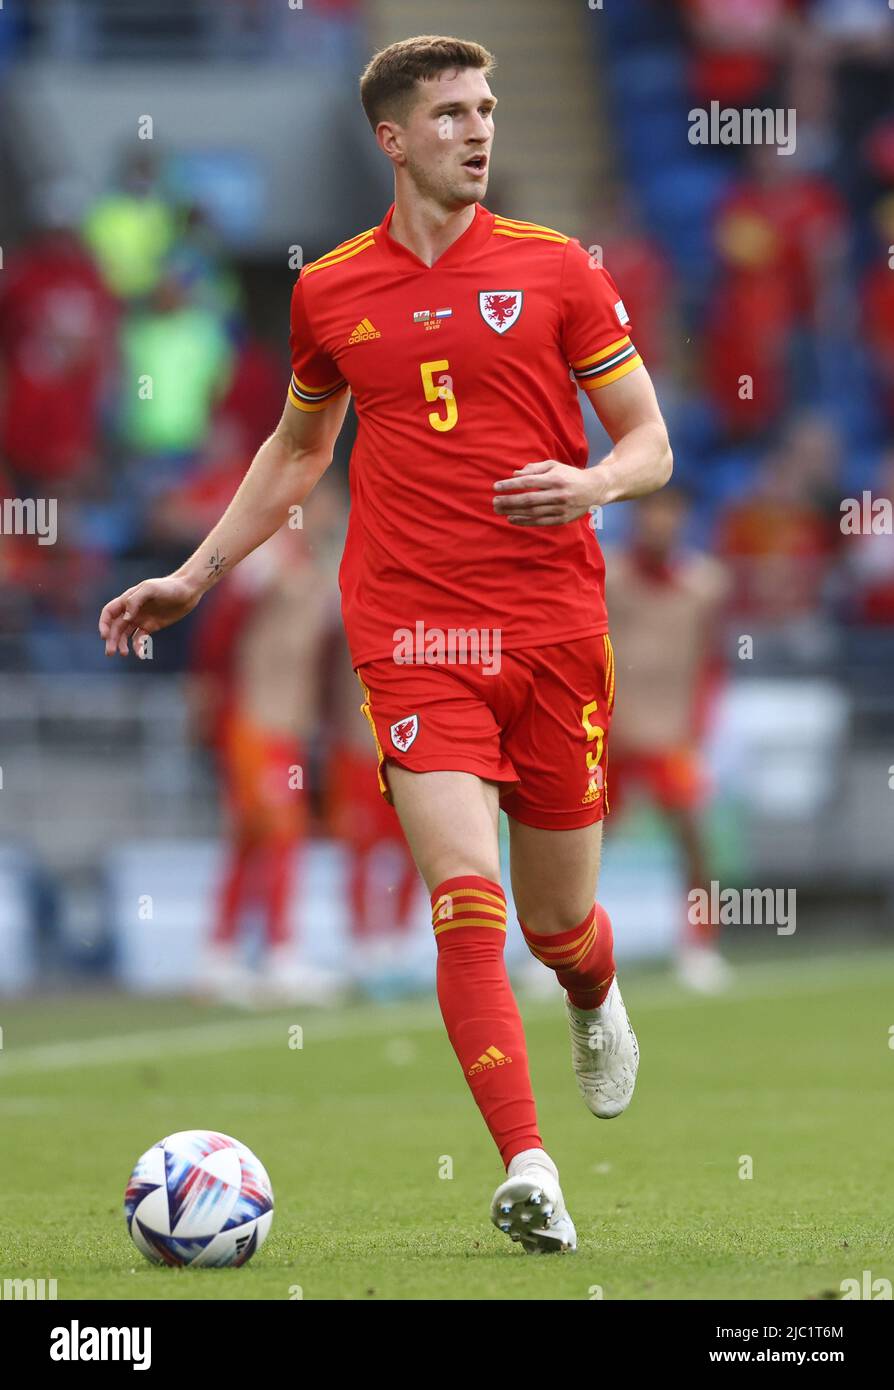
{"x":461,"y":372}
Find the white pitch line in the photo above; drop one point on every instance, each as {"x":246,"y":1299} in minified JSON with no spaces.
{"x":196,"y":1039}
{"x":753,"y":982}
{"x":132,"y":1047}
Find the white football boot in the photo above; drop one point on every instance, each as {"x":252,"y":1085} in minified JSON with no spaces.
{"x":604,"y":1054}
{"x":286,"y":977}
{"x":703,"y":970}
{"x":529,"y":1206}
{"x":222,"y":977}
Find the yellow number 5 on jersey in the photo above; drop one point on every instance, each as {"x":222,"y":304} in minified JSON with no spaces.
{"x":443,"y":391}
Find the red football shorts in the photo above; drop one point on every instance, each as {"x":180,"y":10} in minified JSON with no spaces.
{"x":672,"y":778}
{"x":538,"y":725}
{"x":259,"y":771}
{"x":354,"y":810}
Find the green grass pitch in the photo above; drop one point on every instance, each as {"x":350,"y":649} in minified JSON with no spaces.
{"x":359,"y":1126}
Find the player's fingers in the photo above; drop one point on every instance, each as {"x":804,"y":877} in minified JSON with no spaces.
{"x":117,"y":627}
{"x":133,"y":615}
{"x":113,"y":635}
{"x":541,"y":466}
{"x":126,"y":625}
{"x":115,"y":616}
{"x":108,"y":615}
{"x":523,"y":482}
{"x":526,"y":502}
{"x":537,"y":516}
{"x":548,"y":516}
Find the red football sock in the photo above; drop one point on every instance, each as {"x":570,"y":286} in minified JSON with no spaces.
{"x":406,"y":895}
{"x":582,"y":958}
{"x":232,"y":893}
{"x":367,"y":919}
{"x":479,"y":1009}
{"x":362,"y":921}
{"x":277,"y":857}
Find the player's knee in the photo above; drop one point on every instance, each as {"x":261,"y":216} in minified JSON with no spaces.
{"x":551,"y":918}
{"x":465,"y":866}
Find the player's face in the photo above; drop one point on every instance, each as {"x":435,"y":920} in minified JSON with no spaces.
{"x":448,"y":137}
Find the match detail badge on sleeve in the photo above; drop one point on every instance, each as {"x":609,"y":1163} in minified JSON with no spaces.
{"x":404,"y":732}
{"x":623,"y":316}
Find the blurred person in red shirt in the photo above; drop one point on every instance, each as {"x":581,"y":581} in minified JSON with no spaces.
{"x":737,"y":46}
{"x":181,"y":512}
{"x":57,"y":354}
{"x":780,"y":541}
{"x":665,"y":603}
{"x":255,"y":385}
{"x":780,"y":239}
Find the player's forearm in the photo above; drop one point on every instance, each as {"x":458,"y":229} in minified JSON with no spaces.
{"x":277,"y":480}
{"x":640,"y":462}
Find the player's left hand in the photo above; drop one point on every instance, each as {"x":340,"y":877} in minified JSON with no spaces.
{"x":548,"y":493}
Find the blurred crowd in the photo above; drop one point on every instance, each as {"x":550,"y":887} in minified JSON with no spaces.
{"x":761,"y":284}
{"x":132,"y":390}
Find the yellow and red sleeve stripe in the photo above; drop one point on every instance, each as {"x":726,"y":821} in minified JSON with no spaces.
{"x":607,"y":365}
{"x":314,"y":397}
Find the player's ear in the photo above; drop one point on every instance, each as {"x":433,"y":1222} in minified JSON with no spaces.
{"x":389,"y":138}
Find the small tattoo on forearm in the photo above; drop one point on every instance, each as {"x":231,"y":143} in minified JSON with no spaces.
{"x":217,"y":564}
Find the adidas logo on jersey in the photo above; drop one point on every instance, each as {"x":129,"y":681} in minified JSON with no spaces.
{"x":493,"y":1057}
{"x":364,"y":332}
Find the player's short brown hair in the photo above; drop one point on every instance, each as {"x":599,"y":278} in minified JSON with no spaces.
{"x":389,"y":79}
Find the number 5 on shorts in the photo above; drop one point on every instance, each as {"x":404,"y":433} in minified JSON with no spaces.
{"x":593,"y":731}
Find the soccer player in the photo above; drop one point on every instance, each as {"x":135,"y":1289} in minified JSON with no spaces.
{"x":471,"y":578}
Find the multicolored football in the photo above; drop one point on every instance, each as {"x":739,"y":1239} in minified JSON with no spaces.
{"x":198,"y":1198}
